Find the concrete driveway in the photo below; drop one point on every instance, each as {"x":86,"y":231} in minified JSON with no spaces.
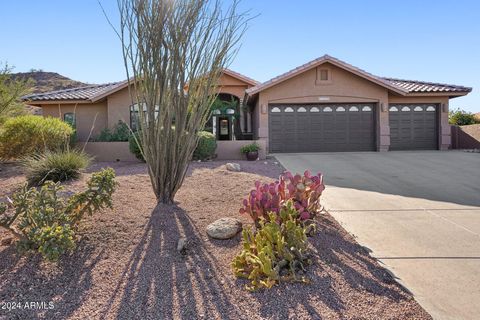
{"x":419,"y":214}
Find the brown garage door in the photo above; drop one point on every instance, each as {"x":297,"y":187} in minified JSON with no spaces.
{"x":320,"y":128}
{"x":413,"y":127}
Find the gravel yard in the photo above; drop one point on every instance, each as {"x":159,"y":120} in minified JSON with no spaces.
{"x":126,"y":265}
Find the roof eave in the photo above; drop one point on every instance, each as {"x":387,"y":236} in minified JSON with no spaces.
{"x":439,"y":94}
{"x":105,"y":94}
{"x":241,"y":77}
{"x":49,"y":102}
{"x":259,"y":88}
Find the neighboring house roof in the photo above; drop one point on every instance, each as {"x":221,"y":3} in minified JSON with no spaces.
{"x":89,"y":93}
{"x":241,"y":77}
{"x":93,"y":93}
{"x":402,"y":87}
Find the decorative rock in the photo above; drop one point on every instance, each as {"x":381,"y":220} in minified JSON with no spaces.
{"x":181,"y":245}
{"x":224,"y":228}
{"x":233,"y":167}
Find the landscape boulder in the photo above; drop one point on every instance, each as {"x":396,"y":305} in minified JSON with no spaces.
{"x":224,"y":228}
{"x":233,"y":167}
{"x":181,"y":245}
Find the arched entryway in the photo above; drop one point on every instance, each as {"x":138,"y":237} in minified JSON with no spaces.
{"x":231,"y":119}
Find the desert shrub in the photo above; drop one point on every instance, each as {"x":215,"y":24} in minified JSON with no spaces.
{"x":134,"y":144}
{"x":277,"y":251}
{"x":45,"y":221}
{"x":26,"y":135}
{"x":55,"y":166}
{"x":461,"y":118}
{"x":305,"y":191}
{"x":120,"y":132}
{"x":206,"y":146}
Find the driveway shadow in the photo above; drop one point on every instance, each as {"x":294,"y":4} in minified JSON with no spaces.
{"x":160,"y":283}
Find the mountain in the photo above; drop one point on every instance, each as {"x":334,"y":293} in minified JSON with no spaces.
{"x":47,"y":81}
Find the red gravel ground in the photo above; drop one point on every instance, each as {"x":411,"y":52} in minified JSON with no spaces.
{"x":126,"y":265}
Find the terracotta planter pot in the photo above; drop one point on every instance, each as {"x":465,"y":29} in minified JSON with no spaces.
{"x":252,"y":155}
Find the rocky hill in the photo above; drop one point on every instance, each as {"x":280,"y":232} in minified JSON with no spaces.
{"x":47,"y":81}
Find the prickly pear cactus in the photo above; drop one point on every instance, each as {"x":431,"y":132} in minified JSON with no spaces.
{"x":305,"y":191}
{"x":276,"y":252}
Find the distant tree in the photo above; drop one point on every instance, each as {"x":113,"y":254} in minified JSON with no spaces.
{"x":461,"y":117}
{"x":174,"y":53}
{"x":11,"y":91}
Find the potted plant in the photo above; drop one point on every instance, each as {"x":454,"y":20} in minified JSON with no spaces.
{"x":251,"y":151}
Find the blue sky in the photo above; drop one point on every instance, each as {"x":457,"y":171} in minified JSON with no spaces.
{"x":436,"y":41}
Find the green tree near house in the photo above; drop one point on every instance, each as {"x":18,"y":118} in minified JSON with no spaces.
{"x":11,"y":91}
{"x":461,"y":117}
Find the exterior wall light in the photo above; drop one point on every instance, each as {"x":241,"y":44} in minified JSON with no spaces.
{"x":264,"y":109}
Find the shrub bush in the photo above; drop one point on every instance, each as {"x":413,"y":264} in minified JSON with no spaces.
{"x":305,"y":191}
{"x":133,"y":145}
{"x":276,"y":252}
{"x":46,"y":222}
{"x":26,"y":135}
{"x":461,"y":118}
{"x":206,"y":146}
{"x":55,"y":166}
{"x":120,"y":132}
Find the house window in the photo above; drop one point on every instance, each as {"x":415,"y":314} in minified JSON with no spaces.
{"x":276,"y":109}
{"x":301,"y":109}
{"x":314,"y":109}
{"x":366,"y":108}
{"x":288,"y":109}
{"x":69,"y":118}
{"x":135,"y":118}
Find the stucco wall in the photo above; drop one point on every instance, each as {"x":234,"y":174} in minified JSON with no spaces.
{"x":343,"y":87}
{"x":119,"y":107}
{"x":233,"y":86}
{"x":88,"y":116}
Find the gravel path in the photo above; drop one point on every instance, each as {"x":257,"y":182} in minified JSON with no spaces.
{"x":127,"y":267}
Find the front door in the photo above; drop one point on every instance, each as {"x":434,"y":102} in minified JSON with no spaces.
{"x":224,"y":125}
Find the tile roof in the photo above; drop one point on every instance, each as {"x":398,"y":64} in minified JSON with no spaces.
{"x":400,"y":86}
{"x":241,"y":77}
{"x":414,"y":86}
{"x":81,"y":93}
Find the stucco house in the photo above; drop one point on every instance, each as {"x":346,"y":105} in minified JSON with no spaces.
{"x":323,"y":105}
